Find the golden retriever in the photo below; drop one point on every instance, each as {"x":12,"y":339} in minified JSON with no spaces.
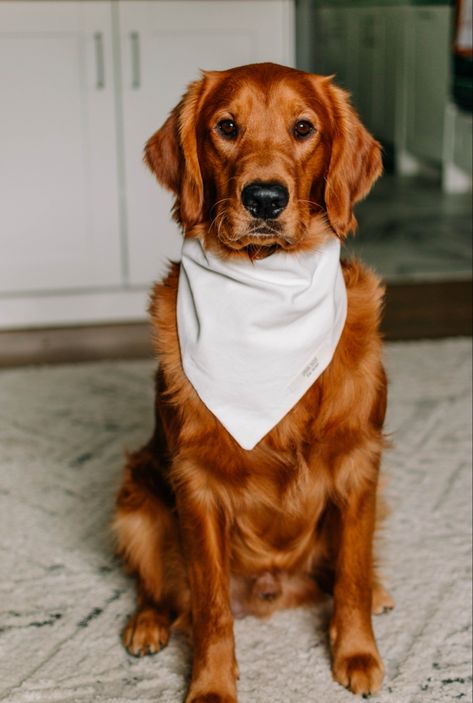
{"x":212,"y":530}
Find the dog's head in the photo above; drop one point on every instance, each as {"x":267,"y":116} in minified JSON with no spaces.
{"x":259,"y":157}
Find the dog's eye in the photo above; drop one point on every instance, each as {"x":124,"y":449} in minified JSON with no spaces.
{"x":303,"y":128}
{"x":227,"y":128}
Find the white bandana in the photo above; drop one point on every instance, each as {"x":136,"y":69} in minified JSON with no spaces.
{"x":255,"y":335}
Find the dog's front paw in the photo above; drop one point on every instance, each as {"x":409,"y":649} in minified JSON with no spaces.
{"x":361,"y":673}
{"x":210,"y":698}
{"x":146,"y":632}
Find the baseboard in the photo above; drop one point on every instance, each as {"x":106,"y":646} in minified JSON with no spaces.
{"x":74,"y":344}
{"x":412,"y":311}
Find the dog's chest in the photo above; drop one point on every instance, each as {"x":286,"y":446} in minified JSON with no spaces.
{"x":275,"y":518}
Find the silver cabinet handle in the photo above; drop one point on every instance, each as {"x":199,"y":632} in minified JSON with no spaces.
{"x":135,"y":60}
{"x":99,"y":61}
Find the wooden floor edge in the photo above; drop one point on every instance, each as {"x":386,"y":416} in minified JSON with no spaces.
{"x":61,"y":345}
{"x":428,"y":310}
{"x":412,"y":311}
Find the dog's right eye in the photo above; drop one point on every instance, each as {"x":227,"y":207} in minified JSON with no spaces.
{"x":227,"y":129}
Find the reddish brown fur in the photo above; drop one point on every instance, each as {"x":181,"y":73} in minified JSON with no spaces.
{"x":201,"y":521}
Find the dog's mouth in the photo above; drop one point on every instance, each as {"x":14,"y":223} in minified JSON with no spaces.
{"x":261,"y":240}
{"x":261,"y":251}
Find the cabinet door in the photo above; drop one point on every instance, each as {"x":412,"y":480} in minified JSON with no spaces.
{"x":163,"y":46}
{"x":58,"y":192}
{"x":370,"y":78}
{"x":332,"y":36}
{"x":427,"y":84}
{"x":374,"y":74}
{"x":388,"y":103}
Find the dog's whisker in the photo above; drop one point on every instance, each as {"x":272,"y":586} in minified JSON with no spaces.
{"x":310,"y":202}
{"x":218,"y":202}
{"x":218,"y":221}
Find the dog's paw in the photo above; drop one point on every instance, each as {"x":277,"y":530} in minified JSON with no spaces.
{"x":146,"y":632}
{"x":382,"y":601}
{"x":211,"y":698}
{"x":361,"y":673}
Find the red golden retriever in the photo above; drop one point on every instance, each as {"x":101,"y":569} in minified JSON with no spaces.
{"x":264,"y":162}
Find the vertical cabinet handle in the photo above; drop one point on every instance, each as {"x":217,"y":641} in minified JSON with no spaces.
{"x":135,"y":60}
{"x":99,"y":61}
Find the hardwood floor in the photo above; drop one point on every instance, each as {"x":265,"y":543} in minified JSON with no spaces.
{"x":428,"y":310}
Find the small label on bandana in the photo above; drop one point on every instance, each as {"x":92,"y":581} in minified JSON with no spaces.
{"x":306,"y":373}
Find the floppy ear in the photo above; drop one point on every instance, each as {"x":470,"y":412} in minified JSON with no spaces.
{"x":355,"y":164}
{"x":171,"y":154}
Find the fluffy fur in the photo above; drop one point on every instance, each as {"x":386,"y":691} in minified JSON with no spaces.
{"x":211,"y":530}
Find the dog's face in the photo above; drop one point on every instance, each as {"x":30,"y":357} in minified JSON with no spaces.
{"x":262,"y":157}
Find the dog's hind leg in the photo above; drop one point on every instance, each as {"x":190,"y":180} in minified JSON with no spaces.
{"x":147,"y":540}
{"x":147,"y":630}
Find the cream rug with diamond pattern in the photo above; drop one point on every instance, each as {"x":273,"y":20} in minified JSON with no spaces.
{"x":64,"y":598}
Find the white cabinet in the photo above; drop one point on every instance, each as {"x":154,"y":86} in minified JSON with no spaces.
{"x":58,"y":183}
{"x":163,"y":46}
{"x":84,"y":228}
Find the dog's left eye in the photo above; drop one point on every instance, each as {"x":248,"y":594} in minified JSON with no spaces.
{"x":303,"y":128}
{"x":227,"y":128}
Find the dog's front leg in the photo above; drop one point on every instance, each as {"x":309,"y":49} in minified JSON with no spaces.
{"x":356,"y":661}
{"x":206,"y":547}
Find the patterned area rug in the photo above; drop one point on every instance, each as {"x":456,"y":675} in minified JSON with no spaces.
{"x":64,"y":598}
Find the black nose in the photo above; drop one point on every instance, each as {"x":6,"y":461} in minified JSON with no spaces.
{"x":265,"y":200}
